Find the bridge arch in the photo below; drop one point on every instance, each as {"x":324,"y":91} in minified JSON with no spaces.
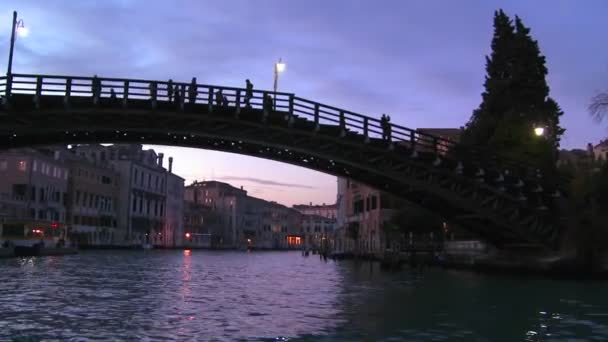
{"x":497,"y":199}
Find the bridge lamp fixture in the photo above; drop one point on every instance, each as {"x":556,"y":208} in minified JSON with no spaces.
{"x":539,"y":131}
{"x":21,"y":30}
{"x":279,"y":67}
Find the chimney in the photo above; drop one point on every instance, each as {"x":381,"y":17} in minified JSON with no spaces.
{"x":170,"y":164}
{"x":241,"y":187}
{"x":160,"y":159}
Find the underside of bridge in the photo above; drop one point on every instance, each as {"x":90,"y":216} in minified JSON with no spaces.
{"x":480,"y":203}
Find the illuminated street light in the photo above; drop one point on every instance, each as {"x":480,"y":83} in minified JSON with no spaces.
{"x":279,"y":67}
{"x":539,"y":131}
{"x":22,"y":31}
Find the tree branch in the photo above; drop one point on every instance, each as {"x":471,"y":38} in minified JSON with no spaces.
{"x":599,"y":106}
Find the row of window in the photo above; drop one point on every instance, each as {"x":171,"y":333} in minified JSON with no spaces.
{"x":155,"y":207}
{"x":369,"y":203}
{"x":41,"y":194}
{"x":146,"y":180}
{"x":92,"y":175}
{"x":47,"y":215}
{"x":94,"y":221}
{"x":317,"y":229}
{"x":94,"y":201}
{"x":42,"y":167}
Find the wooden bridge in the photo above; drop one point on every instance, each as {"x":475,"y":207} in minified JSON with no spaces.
{"x":501,"y":200}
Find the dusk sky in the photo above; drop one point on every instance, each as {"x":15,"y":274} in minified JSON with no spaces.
{"x":420,"y":61}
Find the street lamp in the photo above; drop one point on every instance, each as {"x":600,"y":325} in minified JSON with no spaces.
{"x":279,"y":67}
{"x":539,"y":131}
{"x":19,"y":28}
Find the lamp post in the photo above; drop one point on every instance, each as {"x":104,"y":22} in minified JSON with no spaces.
{"x":279,"y":67}
{"x":18,"y":27}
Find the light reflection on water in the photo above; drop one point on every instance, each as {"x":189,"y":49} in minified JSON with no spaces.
{"x":275,"y":296}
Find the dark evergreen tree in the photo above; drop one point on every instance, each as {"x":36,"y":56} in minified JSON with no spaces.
{"x":516,"y":99}
{"x":486,"y":118}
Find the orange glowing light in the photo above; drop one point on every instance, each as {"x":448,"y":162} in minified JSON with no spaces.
{"x":294,"y":240}
{"x":188,"y":235}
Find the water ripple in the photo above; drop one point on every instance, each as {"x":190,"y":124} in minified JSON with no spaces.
{"x":228,"y":296}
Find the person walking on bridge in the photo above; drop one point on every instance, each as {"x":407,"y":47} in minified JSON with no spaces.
{"x":267,"y":103}
{"x":96,"y":87}
{"x":219,"y":98}
{"x":177,"y":95}
{"x":383,"y":125}
{"x":248,"y":93}
{"x":153,"y":88}
{"x":170,"y":90}
{"x":192,"y":91}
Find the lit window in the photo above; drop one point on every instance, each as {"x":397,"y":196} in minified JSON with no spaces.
{"x":22,"y":165}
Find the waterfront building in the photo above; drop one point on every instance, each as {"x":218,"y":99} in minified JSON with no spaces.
{"x":318,"y":231}
{"x":172,"y":233}
{"x":202,"y":228}
{"x":246,"y":221}
{"x":92,"y":201}
{"x":224,"y":199}
{"x":142,"y":189}
{"x":33,"y":192}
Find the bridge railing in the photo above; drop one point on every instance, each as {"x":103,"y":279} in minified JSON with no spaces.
{"x":136,"y":89}
{"x":294,"y":107}
{"x":3,"y":86}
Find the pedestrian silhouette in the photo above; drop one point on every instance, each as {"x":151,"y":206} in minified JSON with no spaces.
{"x":388,"y":127}
{"x":170,"y":90}
{"x":96,"y":87}
{"x":248,"y":93}
{"x":383,"y":126}
{"x":219,"y":98}
{"x":192,"y":91}
{"x":153,"y":88}
{"x":267,"y":103}
{"x":177,"y":94}
{"x":224,"y":100}
{"x":112,"y":95}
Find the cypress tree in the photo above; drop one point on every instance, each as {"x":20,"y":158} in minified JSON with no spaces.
{"x":516,"y":99}
{"x":483,"y":123}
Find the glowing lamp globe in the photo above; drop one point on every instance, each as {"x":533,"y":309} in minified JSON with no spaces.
{"x":539,"y":131}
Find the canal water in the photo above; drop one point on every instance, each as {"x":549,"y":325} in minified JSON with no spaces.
{"x":282,"y":296}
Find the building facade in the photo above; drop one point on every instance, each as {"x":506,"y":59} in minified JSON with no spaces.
{"x":247,"y":222}
{"x":318,"y":231}
{"x":600,"y":151}
{"x":202,"y":228}
{"x":142,"y":197}
{"x":33,"y":193}
{"x":172,"y":233}
{"x":92,"y":201}
{"x":363,"y":213}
